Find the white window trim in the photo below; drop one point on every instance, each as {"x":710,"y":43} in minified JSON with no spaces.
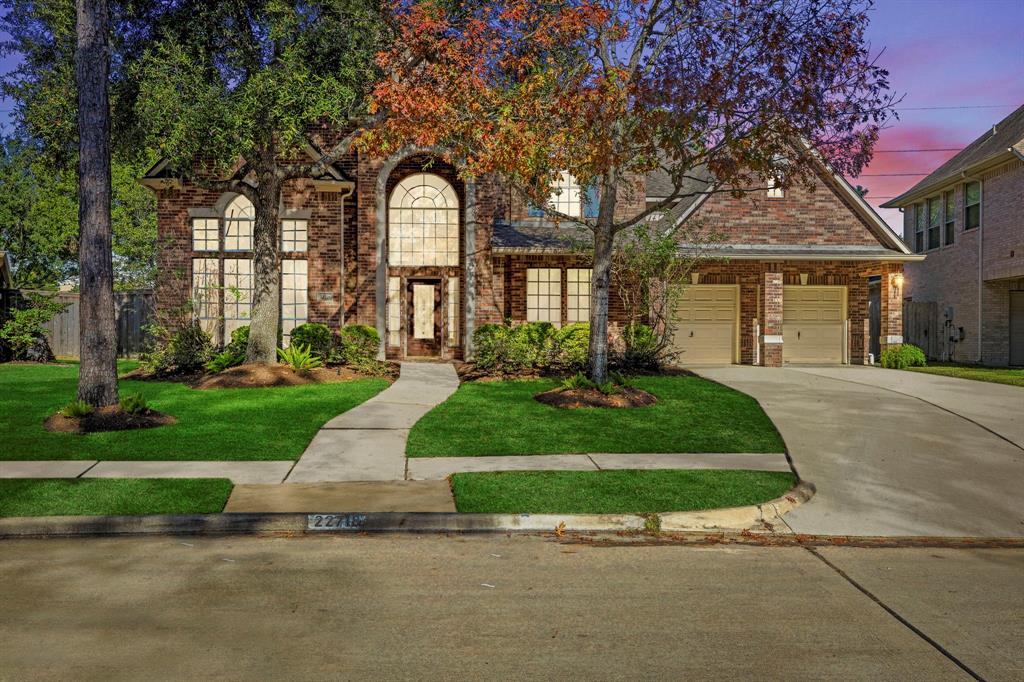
{"x":544,"y":295}
{"x":294,"y":298}
{"x":577,"y":290}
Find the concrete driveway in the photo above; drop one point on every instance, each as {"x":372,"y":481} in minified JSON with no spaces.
{"x":896,"y":453}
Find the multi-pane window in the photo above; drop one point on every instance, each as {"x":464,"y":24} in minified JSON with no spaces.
{"x":294,"y":235}
{"x":206,"y":292}
{"x":972,"y":205}
{"x":934,"y":222}
{"x":920,"y":220}
{"x":453,"y":311}
{"x":294,"y":297}
{"x":949,"y":212}
{"x":205,"y":234}
{"x":238,"y":288}
{"x":544,"y":295}
{"x":566,"y":197}
{"x":423,"y":222}
{"x":577,"y":294}
{"x":238,"y":221}
{"x":394,"y":311}
{"x":775,"y":192}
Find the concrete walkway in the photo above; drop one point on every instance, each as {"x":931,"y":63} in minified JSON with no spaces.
{"x":367,"y":443}
{"x":889,"y":462}
{"x":237,"y":472}
{"x":437,"y":468}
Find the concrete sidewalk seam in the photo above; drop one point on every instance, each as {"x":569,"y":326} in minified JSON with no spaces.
{"x":88,"y":469}
{"x":895,"y":614}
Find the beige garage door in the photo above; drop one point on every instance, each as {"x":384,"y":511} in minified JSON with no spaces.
{"x":812,"y":324}
{"x":704,"y":332}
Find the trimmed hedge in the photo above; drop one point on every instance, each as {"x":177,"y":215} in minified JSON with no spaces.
{"x":902,"y":356}
{"x":314,"y":336}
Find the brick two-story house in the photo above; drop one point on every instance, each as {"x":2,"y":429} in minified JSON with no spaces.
{"x":407,"y":246}
{"x":968,"y":217}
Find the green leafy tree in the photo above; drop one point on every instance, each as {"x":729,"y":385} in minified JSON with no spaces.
{"x":230,"y":103}
{"x":39,"y":220}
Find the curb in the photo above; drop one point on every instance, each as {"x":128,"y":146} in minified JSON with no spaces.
{"x":763,"y":517}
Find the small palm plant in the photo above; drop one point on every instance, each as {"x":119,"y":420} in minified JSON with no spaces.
{"x":300,"y":358}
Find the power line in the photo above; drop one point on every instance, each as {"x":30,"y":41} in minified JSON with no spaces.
{"x":908,"y":151}
{"x":975,"y":106}
{"x":889,"y":175}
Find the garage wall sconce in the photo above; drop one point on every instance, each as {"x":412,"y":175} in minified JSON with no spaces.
{"x":897,"y":284}
{"x":803,"y":278}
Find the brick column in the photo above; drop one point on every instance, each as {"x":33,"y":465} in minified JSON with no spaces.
{"x":891,"y":296}
{"x":771,"y":325}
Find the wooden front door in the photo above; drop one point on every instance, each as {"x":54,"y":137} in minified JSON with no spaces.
{"x":424,"y":318}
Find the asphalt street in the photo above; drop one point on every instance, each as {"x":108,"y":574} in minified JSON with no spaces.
{"x":502,"y":607}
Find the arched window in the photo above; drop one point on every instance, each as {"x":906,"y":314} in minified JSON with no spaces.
{"x":423,"y":222}
{"x":239,"y":217}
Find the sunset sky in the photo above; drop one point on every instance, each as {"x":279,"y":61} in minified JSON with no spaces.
{"x":940,"y":53}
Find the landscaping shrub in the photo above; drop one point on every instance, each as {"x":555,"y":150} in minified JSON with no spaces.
{"x":299,"y":358}
{"x":578,"y":380}
{"x":570,"y":348}
{"x":316,"y":337}
{"x":503,"y":348}
{"x":902,"y":356}
{"x":76,"y":408}
{"x":224,"y":360}
{"x":186,"y":350}
{"x":355,"y":345}
{"x":134,"y":403}
{"x":239,"y":342}
{"x":641,"y":348}
{"x":24,"y":332}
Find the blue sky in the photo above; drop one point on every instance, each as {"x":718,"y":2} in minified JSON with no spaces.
{"x":940,"y":53}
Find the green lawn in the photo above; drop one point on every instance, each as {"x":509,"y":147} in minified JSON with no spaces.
{"x":610,"y":492}
{"x":995,"y":375}
{"x":112,"y":496}
{"x":225,"y":424}
{"x":502,"y":418}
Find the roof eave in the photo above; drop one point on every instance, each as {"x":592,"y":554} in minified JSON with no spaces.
{"x":922,"y":190}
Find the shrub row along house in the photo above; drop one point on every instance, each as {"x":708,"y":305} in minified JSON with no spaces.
{"x":968,"y":217}
{"x":407,"y":246}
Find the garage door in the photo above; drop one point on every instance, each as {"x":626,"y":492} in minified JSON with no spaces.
{"x":705,"y":325}
{"x":812,"y":324}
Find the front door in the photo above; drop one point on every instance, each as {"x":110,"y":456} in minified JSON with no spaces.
{"x":424,"y":335}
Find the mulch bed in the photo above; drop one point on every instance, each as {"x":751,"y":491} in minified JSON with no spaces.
{"x":111,"y":418}
{"x":573,"y":398}
{"x":258,"y":375}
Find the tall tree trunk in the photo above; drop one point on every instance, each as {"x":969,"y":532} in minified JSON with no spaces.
{"x":97,"y":374}
{"x":601,"y":277}
{"x":266,"y":302}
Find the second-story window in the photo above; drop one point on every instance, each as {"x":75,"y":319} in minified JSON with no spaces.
{"x":565,"y":196}
{"x":920,"y":219}
{"x":934,"y":222}
{"x":972,"y":205}
{"x":774,"y":191}
{"x":949,"y":199}
{"x":238,"y":221}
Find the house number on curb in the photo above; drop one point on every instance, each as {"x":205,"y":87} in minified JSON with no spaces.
{"x":335,"y":521}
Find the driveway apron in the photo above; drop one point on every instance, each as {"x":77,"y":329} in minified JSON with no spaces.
{"x":888,"y":463}
{"x":367,"y":443}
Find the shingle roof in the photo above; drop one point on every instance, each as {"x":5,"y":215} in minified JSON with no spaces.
{"x":539,"y":236}
{"x":1005,"y":135}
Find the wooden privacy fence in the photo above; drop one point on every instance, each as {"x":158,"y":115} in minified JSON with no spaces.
{"x":132,"y":311}
{"x":921,"y":326}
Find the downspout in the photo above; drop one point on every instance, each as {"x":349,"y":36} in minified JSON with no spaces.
{"x":341,"y":282}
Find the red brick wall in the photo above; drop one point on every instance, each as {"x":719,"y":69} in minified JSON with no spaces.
{"x":802,"y":216}
{"x":175,"y":254}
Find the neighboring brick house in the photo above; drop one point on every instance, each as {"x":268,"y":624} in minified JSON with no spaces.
{"x":407,"y":246}
{"x":968,"y":217}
